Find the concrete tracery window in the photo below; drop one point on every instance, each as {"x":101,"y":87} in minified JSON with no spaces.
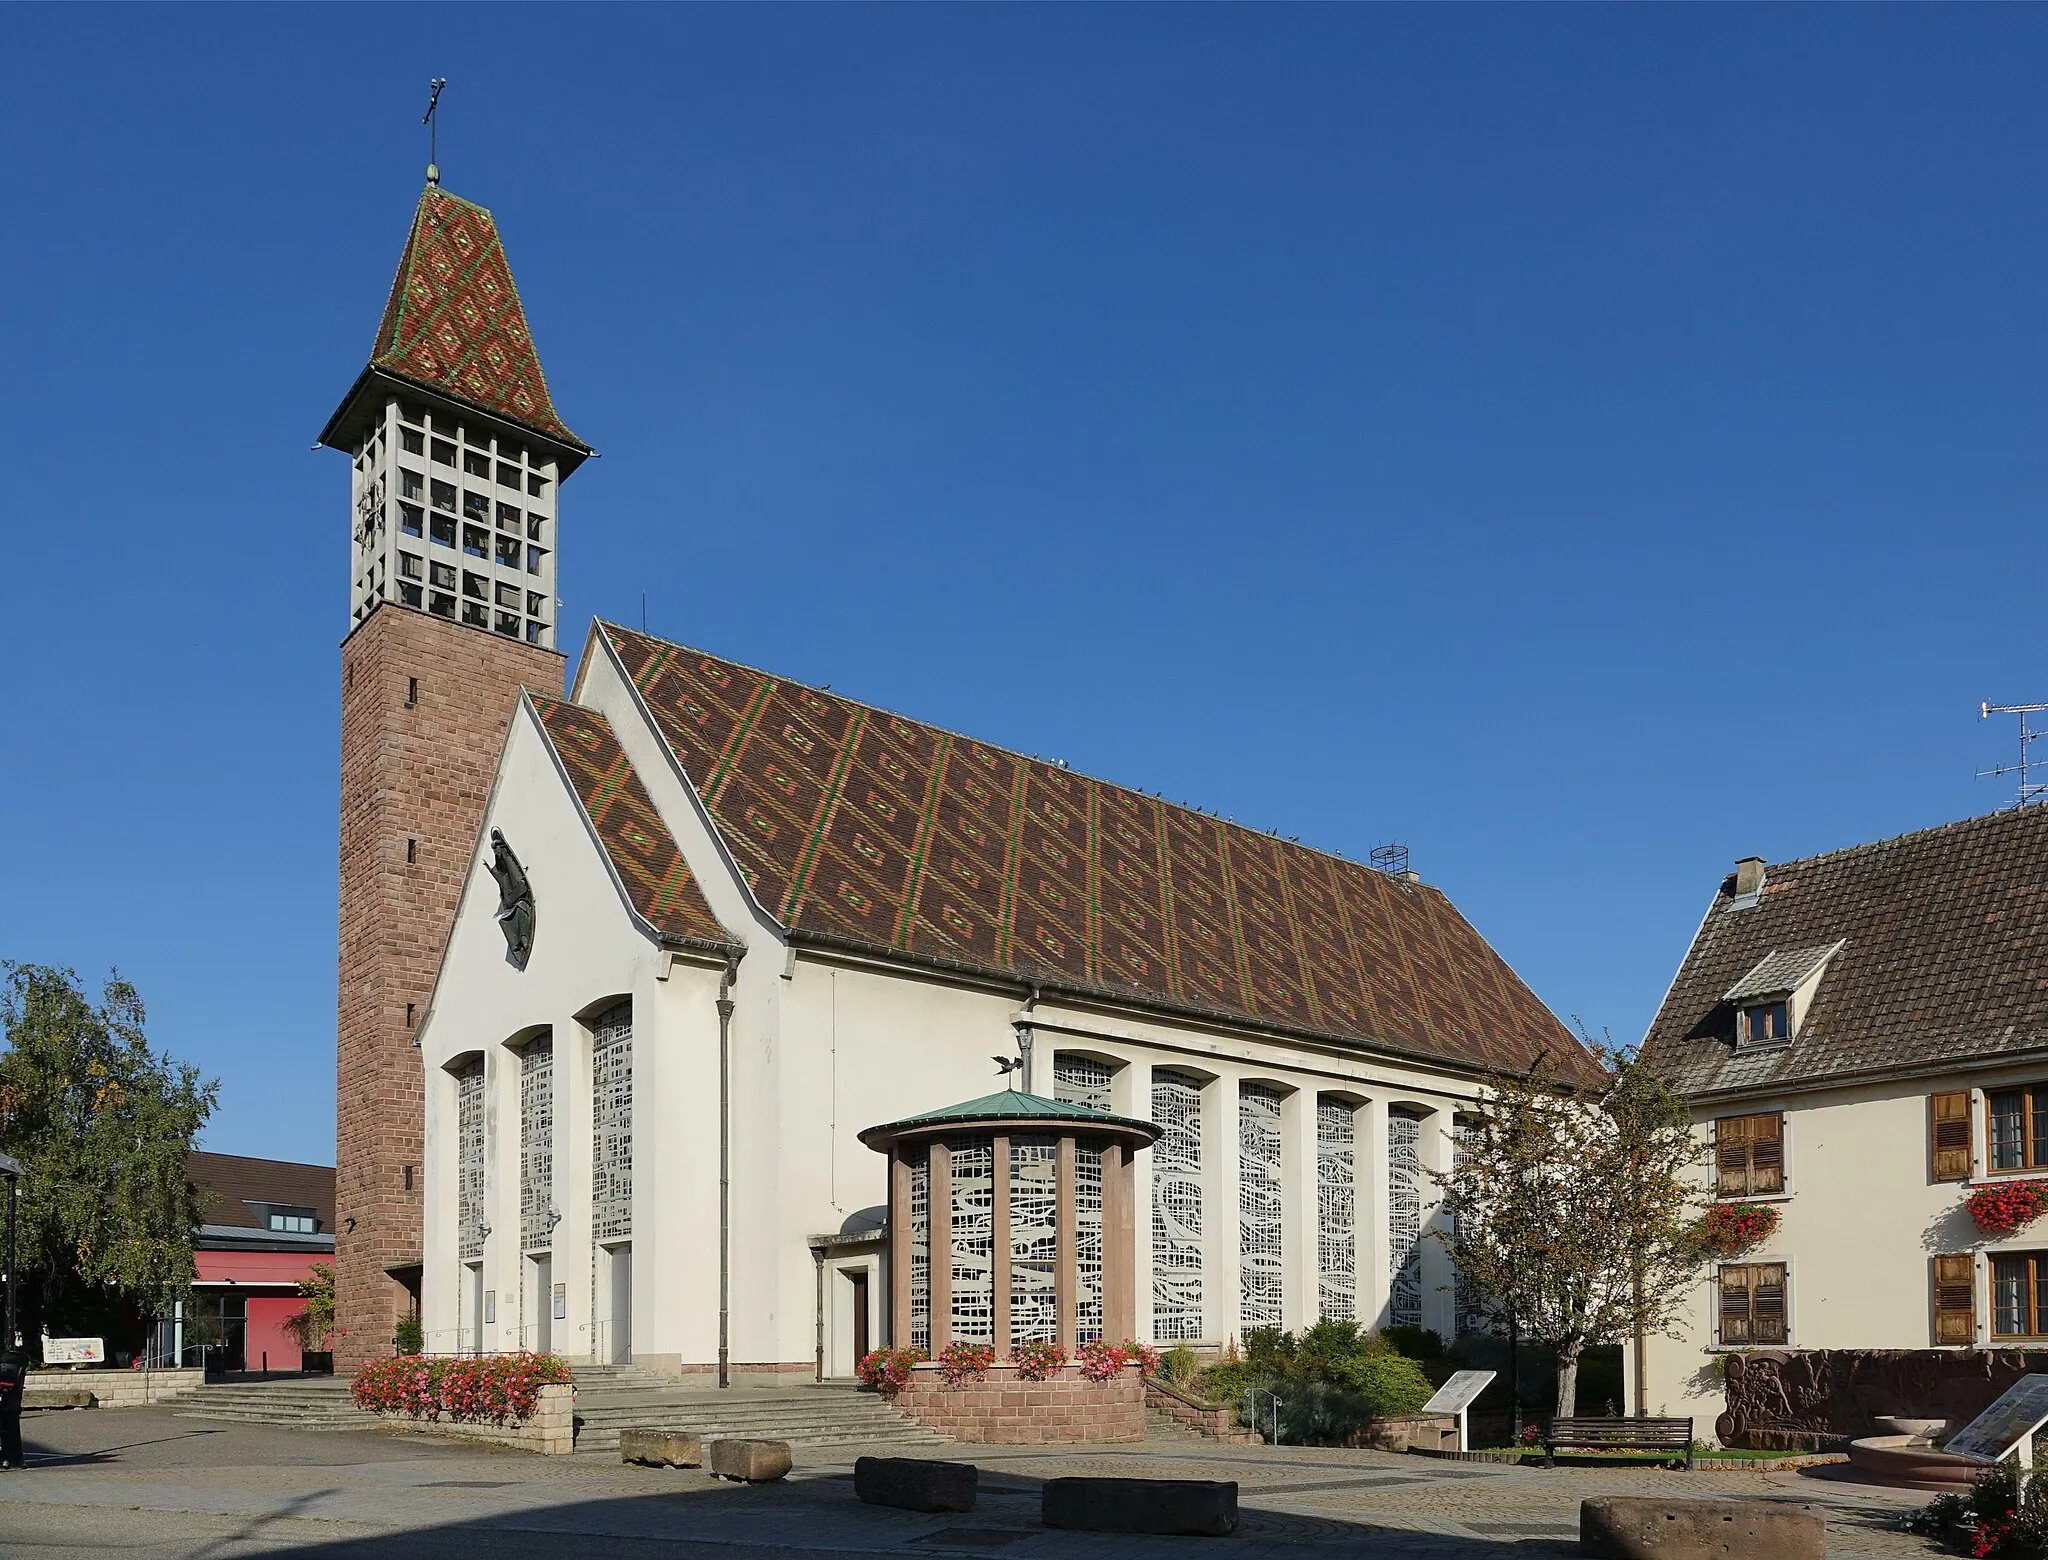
{"x":1470,"y":1314}
{"x":469,"y":1159}
{"x":1177,"y":1206}
{"x":1404,"y":1216}
{"x":611,"y":1123}
{"x":1258,"y":1204}
{"x":1034,"y":1315}
{"x":1087,"y":1242}
{"x":1337,"y":1210}
{"x":536,"y":1143}
{"x":974,"y":1202}
{"x":1081,"y":1080}
{"x":921,"y":1253}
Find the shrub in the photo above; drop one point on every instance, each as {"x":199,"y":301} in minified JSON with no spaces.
{"x":888,"y":1370}
{"x":1333,"y":1380}
{"x":1181,"y":1365}
{"x":408,"y":1337}
{"x":1989,"y":1522}
{"x":1038,"y":1361}
{"x":492,"y":1387}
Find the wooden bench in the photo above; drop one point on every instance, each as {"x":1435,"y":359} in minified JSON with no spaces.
{"x":1613,"y":1435}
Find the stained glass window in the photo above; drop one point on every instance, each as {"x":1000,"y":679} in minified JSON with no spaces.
{"x":1081,"y":1080}
{"x":469,"y":1159}
{"x":1258,"y":1204}
{"x":1177,"y":1206}
{"x":536,"y":1143}
{"x":1336,"y":1210}
{"x":611,"y":1123}
{"x":1404,"y":1216}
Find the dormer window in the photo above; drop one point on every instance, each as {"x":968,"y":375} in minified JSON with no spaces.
{"x":1770,"y":1002}
{"x":1765,"y":1022}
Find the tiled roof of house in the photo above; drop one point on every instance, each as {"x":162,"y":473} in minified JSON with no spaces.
{"x":853,"y":823}
{"x":644,"y":853}
{"x":454,"y":320}
{"x":228,"y":1183}
{"x":1945,"y":959}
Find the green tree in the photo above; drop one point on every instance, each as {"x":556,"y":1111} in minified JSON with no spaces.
{"x":309,"y":1328}
{"x":101,"y":1125}
{"x":1572,"y":1205}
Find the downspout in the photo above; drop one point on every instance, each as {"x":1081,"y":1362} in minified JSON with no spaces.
{"x":1025,"y":1037}
{"x":725,"y":1168}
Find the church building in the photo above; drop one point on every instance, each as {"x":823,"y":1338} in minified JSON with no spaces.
{"x":695,"y":928}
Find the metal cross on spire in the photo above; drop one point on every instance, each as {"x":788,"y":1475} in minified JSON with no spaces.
{"x":431,"y":119}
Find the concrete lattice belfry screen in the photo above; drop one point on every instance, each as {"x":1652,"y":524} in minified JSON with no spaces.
{"x":1177,"y":1206}
{"x":1336,"y":1210}
{"x":469,"y":1160}
{"x":1404,"y":1217}
{"x":1081,"y":1080}
{"x":1087,"y":1247}
{"x":921,"y":1253}
{"x":974,"y":1202}
{"x":611,"y":1124}
{"x":536,"y":1143}
{"x":1258,"y":1204}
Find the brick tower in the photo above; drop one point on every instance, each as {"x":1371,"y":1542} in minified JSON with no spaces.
{"x":458,"y":458}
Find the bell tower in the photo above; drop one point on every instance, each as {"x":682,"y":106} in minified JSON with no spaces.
{"x":457,"y":459}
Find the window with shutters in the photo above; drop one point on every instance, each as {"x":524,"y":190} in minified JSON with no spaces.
{"x":1753,"y":1309}
{"x":1955,"y":1299}
{"x":2016,"y":1128}
{"x":1749,"y":1155}
{"x":1949,"y":1146}
{"x":2019,"y":1294}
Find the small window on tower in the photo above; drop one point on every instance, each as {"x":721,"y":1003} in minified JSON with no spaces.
{"x":534,"y":631}
{"x":409,"y":482}
{"x":443,"y":575}
{"x":508,"y":476}
{"x":475,"y":586}
{"x":508,"y":551}
{"x":509,"y":595}
{"x":443,"y":528}
{"x":444,"y":452}
{"x":508,"y":517}
{"x":444,"y":495}
{"x":536,"y":486}
{"x":476,"y":463}
{"x":411,"y":518}
{"x":408,"y":595}
{"x":508,"y":623}
{"x":476,"y":614}
{"x":476,"y":541}
{"x":414,"y":443}
{"x":475,"y":506}
{"x":440,"y":605}
{"x":411,"y":413}
{"x":535,"y":557}
{"x":534,"y":525}
{"x":535,"y":602}
{"x":409,"y":566}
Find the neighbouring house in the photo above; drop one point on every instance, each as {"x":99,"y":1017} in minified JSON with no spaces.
{"x":1863,"y":1038}
{"x":264,"y":1223}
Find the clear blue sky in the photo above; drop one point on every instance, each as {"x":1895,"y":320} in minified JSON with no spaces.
{"x":1588,"y":445}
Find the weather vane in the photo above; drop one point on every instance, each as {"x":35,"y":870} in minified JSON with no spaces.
{"x":431,"y":119}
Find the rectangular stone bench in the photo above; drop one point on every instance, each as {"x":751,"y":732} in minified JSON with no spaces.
{"x":1630,"y":1527}
{"x":1205,"y":1508}
{"x":748,"y":1462}
{"x":661,"y":1448}
{"x":916,"y":1483}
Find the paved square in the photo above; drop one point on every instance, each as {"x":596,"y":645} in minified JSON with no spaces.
{"x":147,"y":1484}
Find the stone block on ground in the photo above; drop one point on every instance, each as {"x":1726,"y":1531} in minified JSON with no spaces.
{"x":1628,"y":1527}
{"x":661,"y":1448}
{"x":1181,"y":1507}
{"x":39,"y":1396}
{"x":751,"y":1462}
{"x":915,"y":1483}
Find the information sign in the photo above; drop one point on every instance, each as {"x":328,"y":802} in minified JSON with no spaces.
{"x":2019,"y":1412}
{"x":91,"y":1351}
{"x":1459,"y":1393}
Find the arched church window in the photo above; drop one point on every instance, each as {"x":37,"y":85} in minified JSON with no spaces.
{"x":1404,"y":1216}
{"x":469,"y":1159}
{"x":1337,"y":1209}
{"x":1258,"y":1204}
{"x":537,"y":1143}
{"x":611,"y":1123}
{"x":1177,"y":1205}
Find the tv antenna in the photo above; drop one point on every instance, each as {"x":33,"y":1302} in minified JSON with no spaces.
{"x":2031,"y":789}
{"x":432,"y":120}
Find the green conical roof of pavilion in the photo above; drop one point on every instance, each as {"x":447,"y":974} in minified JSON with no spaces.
{"x":1011,"y":1105}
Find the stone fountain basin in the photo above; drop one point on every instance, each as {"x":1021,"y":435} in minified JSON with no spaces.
{"x":1911,"y":1464}
{"x":1920,"y":1429}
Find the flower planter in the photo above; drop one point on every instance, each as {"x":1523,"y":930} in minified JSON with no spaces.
{"x":1728,"y":1230}
{"x":2005,"y":1208}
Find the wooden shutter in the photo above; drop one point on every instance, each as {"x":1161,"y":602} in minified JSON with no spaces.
{"x":1955,"y":1299}
{"x":1735,"y":1304}
{"x":1767,"y":1154}
{"x":1768,"y":1323}
{"x":1950,"y":1146}
{"x":1731,"y":1155}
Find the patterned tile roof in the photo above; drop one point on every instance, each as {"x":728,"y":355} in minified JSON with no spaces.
{"x":854,"y":823}
{"x":642,"y":850}
{"x":1944,"y":959}
{"x":454,"y":321}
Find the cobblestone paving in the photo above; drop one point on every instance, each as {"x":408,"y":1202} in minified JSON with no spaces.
{"x":145,"y":1481}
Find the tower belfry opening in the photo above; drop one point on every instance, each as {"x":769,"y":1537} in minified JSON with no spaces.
{"x":457,"y":459}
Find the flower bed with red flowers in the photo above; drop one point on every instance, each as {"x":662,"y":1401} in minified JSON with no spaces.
{"x":2008,"y":1207}
{"x":960,"y":1363}
{"x":1730,"y":1229}
{"x":888,"y":1370}
{"x":1100,"y":1361}
{"x":491,"y":1388}
{"x":1038,"y":1361}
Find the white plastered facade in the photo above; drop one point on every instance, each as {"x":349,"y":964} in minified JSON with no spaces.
{"x":823,"y":1043}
